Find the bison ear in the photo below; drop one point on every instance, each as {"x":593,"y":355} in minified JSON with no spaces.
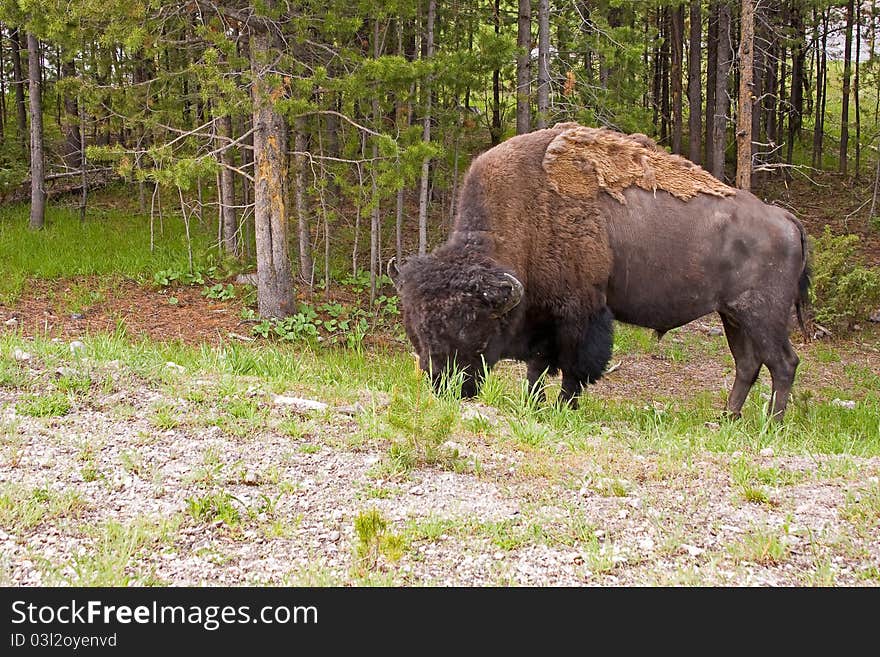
{"x":506,"y":294}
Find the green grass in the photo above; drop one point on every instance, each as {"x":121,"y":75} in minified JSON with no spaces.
{"x":107,"y":561}
{"x":419,"y":422}
{"x":23,"y":508}
{"x":109,"y":242}
{"x":51,"y":404}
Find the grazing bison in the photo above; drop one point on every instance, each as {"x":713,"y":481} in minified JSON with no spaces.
{"x":560,"y":230}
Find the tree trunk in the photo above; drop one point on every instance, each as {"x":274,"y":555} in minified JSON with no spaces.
{"x":523,"y":66}
{"x":38,"y":194}
{"x":677,"y":41}
{"x":426,"y":133}
{"x":19,"y":82}
{"x":495,"y":127}
{"x":304,"y":232}
{"x":70,"y":150}
{"x":543,"y":63}
{"x":83,"y":163}
{"x":711,"y":74}
{"x":798,"y":59}
{"x":858,"y":161}
{"x":229,"y":220}
{"x":2,"y":89}
{"x":275,"y":289}
{"x":657,"y":87}
{"x":847,"y":74}
{"x":758,"y":63}
{"x":821,"y":92}
{"x":722,"y":100}
{"x":375,"y":226}
{"x":695,"y":96}
{"x":744,"y":117}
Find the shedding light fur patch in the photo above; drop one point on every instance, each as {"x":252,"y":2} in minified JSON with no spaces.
{"x":581,"y":161}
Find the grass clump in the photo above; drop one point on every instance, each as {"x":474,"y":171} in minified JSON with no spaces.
{"x":216,"y":506}
{"x":375,"y":541}
{"x":53,"y":404}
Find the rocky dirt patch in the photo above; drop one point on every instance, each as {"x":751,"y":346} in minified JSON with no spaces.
{"x":108,"y":494}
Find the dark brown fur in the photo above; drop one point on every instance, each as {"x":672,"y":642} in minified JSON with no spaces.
{"x":653,"y":259}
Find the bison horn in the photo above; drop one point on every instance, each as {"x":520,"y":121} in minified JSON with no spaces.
{"x":393,"y":272}
{"x":516,"y":294}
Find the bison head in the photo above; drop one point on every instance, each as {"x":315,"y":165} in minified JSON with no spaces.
{"x":455,"y":307}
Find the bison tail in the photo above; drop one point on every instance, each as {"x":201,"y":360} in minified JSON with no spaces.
{"x":803,"y":298}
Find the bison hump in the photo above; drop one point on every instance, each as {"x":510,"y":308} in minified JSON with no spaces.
{"x":582,"y":161}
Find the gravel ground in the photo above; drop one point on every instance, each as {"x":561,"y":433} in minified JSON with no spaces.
{"x":105,"y":494}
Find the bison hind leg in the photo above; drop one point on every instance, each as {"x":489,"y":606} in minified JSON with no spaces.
{"x":747,"y":363}
{"x":755,"y":343}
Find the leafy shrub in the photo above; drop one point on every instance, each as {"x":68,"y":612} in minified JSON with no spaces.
{"x":843,"y":293}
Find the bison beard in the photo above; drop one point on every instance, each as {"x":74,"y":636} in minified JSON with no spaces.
{"x":561,"y":230}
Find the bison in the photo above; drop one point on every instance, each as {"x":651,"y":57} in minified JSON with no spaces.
{"x":561,"y":230}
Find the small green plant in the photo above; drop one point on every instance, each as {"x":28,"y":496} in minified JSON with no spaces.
{"x":198,"y":276}
{"x":762,"y":546}
{"x":215,"y":506}
{"x":220,"y":292}
{"x":842,"y":293}
{"x":53,"y":404}
{"x":744,"y":475}
{"x":164,"y":416}
{"x":374,"y":540}
{"x":74,"y":383}
{"x":421,"y":426}
{"x":862,"y":508}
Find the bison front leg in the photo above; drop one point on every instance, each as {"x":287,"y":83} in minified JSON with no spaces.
{"x":571,"y":389}
{"x":584,"y":354}
{"x":538,"y":370}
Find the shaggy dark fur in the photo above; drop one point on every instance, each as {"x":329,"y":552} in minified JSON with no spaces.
{"x":452,"y":315}
{"x":534,"y":272}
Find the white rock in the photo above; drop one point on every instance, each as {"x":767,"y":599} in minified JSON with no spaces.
{"x":333,"y":536}
{"x":171,"y":365}
{"x":76,"y":346}
{"x":20,"y":355}
{"x":693,"y":550}
{"x":843,"y":403}
{"x":453,"y":446}
{"x":12,"y":322}
{"x":767,"y":451}
{"x":250,"y":478}
{"x":298,"y":403}
{"x":646,"y":544}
